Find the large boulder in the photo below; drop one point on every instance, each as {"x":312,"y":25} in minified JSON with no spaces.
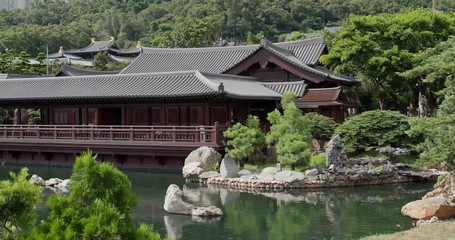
{"x":429,"y":207}
{"x":53,"y":181}
{"x":192,"y":170}
{"x":207,"y":211}
{"x":37,"y":180}
{"x":335,"y":153}
{"x":228,"y":168}
{"x":289,"y":176}
{"x":173,"y":203}
{"x":207,"y":156}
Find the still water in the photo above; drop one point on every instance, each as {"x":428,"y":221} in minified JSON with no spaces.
{"x":333,"y":213}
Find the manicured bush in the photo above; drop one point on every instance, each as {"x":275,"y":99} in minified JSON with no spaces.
{"x":438,"y":146}
{"x":374,"y":128}
{"x":290,"y":133}
{"x":18,"y":200}
{"x":317,"y":161}
{"x":99,"y":206}
{"x":321,"y":127}
{"x":245,"y":140}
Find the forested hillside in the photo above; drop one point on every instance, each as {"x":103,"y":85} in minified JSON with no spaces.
{"x":180,"y":23}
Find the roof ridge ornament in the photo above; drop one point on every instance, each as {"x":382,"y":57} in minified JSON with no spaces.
{"x":93,"y":40}
{"x":221,"y":88}
{"x":264,"y":42}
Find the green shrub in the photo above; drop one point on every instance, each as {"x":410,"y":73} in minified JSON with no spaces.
{"x":437,"y":148}
{"x":374,"y":128}
{"x":18,"y":200}
{"x":290,"y":133}
{"x":99,"y":206}
{"x":321,"y":127}
{"x":317,"y":161}
{"x":245,"y":141}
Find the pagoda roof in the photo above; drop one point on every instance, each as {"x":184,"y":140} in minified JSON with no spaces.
{"x":302,"y":57}
{"x":173,"y":85}
{"x":94,"y":47}
{"x":217,"y":59}
{"x":68,"y":70}
{"x":316,"y":97}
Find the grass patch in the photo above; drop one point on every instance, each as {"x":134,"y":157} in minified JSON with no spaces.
{"x":443,"y":230}
{"x":315,"y":161}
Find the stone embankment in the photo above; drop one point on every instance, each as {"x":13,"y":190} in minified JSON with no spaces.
{"x":270,"y":179}
{"x":339,"y":172}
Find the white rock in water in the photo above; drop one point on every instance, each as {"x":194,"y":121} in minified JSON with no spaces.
{"x":53,"y":181}
{"x":173,"y":202}
{"x":37,"y":180}
{"x":207,"y":211}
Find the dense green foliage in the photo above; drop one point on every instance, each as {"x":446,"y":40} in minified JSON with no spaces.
{"x":377,"y":48}
{"x":438,"y":147}
{"x":290,"y":133}
{"x":18,"y":200}
{"x":99,"y":206}
{"x":373,"y":128}
{"x":182,"y":23}
{"x":245,"y":140}
{"x":100,"y":61}
{"x":12,"y":63}
{"x":321,"y":127}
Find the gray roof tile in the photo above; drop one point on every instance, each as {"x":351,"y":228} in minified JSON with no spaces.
{"x":94,"y":47}
{"x":298,"y":88}
{"x":128,"y":86}
{"x":219,"y":59}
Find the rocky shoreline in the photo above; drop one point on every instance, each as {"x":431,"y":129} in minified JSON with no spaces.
{"x":339,"y":171}
{"x":271,"y":179}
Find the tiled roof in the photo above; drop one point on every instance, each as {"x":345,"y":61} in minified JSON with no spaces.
{"x":73,"y":71}
{"x":133,"y":86}
{"x":317,"y":97}
{"x":318,"y":104}
{"x":94,"y":47}
{"x":297,"y":88}
{"x":220,"y":59}
{"x":321,"y":94}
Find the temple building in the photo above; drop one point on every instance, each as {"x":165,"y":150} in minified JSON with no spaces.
{"x":167,"y":102}
{"x":84,"y":56}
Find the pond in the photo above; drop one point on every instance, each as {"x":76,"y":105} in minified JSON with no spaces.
{"x":331,"y":213}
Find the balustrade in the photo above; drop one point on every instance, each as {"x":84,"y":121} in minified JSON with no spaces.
{"x":188,"y":134}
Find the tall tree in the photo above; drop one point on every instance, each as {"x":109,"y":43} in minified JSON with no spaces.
{"x":377,"y":48}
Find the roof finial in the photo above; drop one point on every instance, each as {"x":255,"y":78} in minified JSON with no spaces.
{"x":60,"y":50}
{"x":263,"y":42}
{"x":221,"y":88}
{"x":138,"y":45}
{"x":93,"y":40}
{"x":112,"y":39}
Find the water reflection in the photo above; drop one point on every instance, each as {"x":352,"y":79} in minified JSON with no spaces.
{"x":338,"y":213}
{"x":174,"y":223}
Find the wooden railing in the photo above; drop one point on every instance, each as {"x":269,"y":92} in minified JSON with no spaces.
{"x":190,"y":134}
